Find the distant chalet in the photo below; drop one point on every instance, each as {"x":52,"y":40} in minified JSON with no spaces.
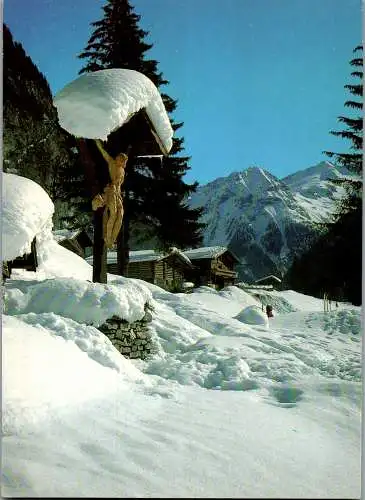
{"x":202,"y":266}
{"x":272,"y":280}
{"x":160,"y":268}
{"x":213,"y":266}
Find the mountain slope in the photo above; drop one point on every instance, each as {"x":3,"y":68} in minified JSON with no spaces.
{"x":34,"y":145}
{"x":265,"y":220}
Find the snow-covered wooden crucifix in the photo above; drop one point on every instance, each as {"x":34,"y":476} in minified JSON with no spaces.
{"x":94,"y":107}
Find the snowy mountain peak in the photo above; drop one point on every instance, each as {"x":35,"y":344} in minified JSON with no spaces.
{"x":322,"y":171}
{"x":252,"y":178}
{"x":263,"y":219}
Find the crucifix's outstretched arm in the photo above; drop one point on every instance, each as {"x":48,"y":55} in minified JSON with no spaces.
{"x":105,"y":154}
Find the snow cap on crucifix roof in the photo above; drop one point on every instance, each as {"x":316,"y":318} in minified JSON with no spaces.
{"x":98,"y":103}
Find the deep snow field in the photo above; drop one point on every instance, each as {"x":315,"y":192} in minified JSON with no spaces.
{"x":227,"y":407}
{"x":230,"y":405}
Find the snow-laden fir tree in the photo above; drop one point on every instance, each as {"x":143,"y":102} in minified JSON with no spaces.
{"x":154,"y":190}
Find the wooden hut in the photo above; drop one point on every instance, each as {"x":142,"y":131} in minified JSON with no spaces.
{"x":28,"y":261}
{"x":165,"y":269}
{"x":212,"y":266}
{"x":77,"y":240}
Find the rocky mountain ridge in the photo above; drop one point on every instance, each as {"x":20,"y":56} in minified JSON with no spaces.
{"x":265,"y":220}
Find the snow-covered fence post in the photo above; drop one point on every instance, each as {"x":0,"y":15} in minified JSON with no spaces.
{"x":96,"y":105}
{"x":326,"y":302}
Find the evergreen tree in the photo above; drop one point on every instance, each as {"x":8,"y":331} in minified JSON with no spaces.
{"x":35,"y":146}
{"x":334,"y":263}
{"x":151,"y":187}
{"x":353,"y":132}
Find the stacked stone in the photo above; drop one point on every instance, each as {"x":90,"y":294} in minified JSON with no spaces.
{"x":133,"y":340}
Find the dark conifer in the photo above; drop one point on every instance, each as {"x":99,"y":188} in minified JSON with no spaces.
{"x":35,"y":146}
{"x":334,"y":263}
{"x":353,"y":132}
{"x":152,"y":187}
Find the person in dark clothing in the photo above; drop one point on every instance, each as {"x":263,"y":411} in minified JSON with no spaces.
{"x":269,"y":311}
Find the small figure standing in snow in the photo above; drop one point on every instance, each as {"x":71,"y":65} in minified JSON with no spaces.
{"x":269,"y":311}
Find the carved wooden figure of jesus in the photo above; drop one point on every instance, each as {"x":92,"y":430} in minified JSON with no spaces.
{"x":111,"y":197}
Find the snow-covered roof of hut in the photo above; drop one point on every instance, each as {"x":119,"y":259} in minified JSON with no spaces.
{"x":144,"y":256}
{"x":207,"y":252}
{"x":26,"y":209}
{"x":70,"y":234}
{"x":65,"y":234}
{"x":181,"y":254}
{"x":134,"y":256}
{"x":271,"y":276}
{"x":97,"y":103}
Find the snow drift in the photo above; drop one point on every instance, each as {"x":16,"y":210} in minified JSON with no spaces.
{"x":253,"y":315}
{"x":80,"y":300}
{"x":26,"y":208}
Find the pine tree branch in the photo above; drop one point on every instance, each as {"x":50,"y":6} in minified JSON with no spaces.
{"x":355,"y":123}
{"x":354,"y":104}
{"x":355,"y":89}
{"x":356,"y":62}
{"x":356,"y":139}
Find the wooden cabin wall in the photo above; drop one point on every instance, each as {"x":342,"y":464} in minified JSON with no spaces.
{"x":167,"y":272}
{"x":159,"y":273}
{"x":220,"y":264}
{"x":141,"y":270}
{"x":112,"y":268}
{"x":202,"y":275}
{"x":228,"y":261}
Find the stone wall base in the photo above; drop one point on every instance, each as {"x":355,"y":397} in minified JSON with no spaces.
{"x":133,"y":340}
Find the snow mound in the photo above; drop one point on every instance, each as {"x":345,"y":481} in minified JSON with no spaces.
{"x":26,"y":208}
{"x":339,"y":322}
{"x":96,"y":104}
{"x":56,"y":261}
{"x":45,"y":373}
{"x":296,"y":300}
{"x":27,"y":213}
{"x":253,"y":315}
{"x":236,"y":294}
{"x":87,"y":338}
{"x":83,"y":301}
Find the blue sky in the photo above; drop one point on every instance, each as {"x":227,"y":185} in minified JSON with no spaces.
{"x":258,"y":82}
